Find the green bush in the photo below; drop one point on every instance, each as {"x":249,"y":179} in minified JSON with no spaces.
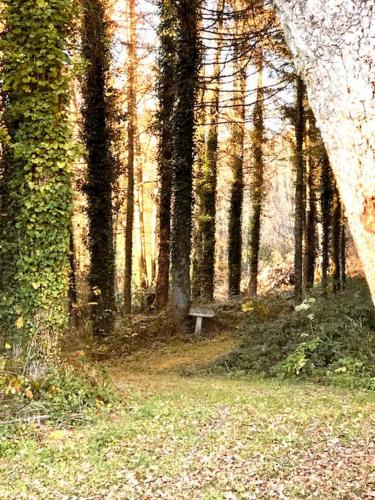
{"x":329,"y":339}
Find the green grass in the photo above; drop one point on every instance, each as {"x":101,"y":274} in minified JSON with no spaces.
{"x":200,"y":437}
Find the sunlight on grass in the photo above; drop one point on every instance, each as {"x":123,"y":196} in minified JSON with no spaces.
{"x":202,"y":437}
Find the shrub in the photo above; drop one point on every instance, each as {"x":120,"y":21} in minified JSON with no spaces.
{"x":330,"y":339}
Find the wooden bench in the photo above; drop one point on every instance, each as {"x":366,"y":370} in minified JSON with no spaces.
{"x":200,"y":313}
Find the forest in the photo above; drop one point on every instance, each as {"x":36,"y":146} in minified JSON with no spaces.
{"x":187,"y":249}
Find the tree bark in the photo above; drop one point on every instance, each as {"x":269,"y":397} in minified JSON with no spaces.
{"x":336,"y":233}
{"x":186,"y":72}
{"x":257,"y":193}
{"x":207,"y":190}
{"x":325,"y":208}
{"x":132,"y":114}
{"x":200,"y":151}
{"x":236,"y":195}
{"x":311,"y":213}
{"x":167,"y":97}
{"x":333,"y":45}
{"x":100,"y":168}
{"x":299,"y":215}
{"x":343,"y":249}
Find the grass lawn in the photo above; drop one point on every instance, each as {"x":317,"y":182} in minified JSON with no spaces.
{"x":180,"y":436}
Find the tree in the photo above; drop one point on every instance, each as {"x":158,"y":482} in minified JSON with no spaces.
{"x":207,"y":183}
{"x":100,"y":165}
{"x":186,"y":82}
{"x":310,"y":250}
{"x":299,"y":202}
{"x":333,"y":46}
{"x":237,"y":141}
{"x":132,"y":116}
{"x":325,"y":208}
{"x":257,"y":188}
{"x":34,"y":252}
{"x":167,"y":97}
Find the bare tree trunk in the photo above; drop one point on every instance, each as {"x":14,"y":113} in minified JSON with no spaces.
{"x":299,"y":192}
{"x":333,"y":45}
{"x":142,"y":234}
{"x":132,"y":111}
{"x":154,"y":236}
{"x":257,"y":193}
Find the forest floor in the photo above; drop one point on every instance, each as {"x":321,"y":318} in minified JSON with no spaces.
{"x":180,"y":433}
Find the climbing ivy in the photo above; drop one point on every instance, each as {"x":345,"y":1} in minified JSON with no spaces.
{"x":37,"y":202}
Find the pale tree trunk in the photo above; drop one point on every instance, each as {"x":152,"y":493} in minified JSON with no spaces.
{"x":141,"y":219}
{"x":333,"y":45}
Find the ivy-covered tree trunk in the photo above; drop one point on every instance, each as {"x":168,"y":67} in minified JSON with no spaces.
{"x":34,"y":250}
{"x":343,"y":239}
{"x":299,"y":215}
{"x":236,"y":191}
{"x":132,"y":112}
{"x":206,"y":193}
{"x":257,"y":188}
{"x":311,"y":212}
{"x":186,"y":78}
{"x":100,"y":166}
{"x":332,"y":42}
{"x":200,"y":152}
{"x":336,"y":234}
{"x":167,"y":97}
{"x":325,"y":204}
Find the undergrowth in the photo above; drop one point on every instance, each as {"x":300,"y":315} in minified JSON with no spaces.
{"x":64,"y":394}
{"x":331,"y":340}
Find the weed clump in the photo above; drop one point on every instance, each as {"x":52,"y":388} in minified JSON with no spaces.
{"x":64,"y":394}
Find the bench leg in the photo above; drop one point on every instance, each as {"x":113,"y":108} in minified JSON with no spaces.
{"x":198,"y":325}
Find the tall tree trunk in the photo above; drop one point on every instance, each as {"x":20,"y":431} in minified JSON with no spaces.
{"x":336,"y":234}
{"x":72,"y":293}
{"x":100,"y":168}
{"x":36,"y":218}
{"x":142,"y":233}
{"x":236,"y":192}
{"x":206,"y":195}
{"x":132,"y":117}
{"x":333,"y":46}
{"x":299,"y":215}
{"x":343,"y":249}
{"x":154,"y":236}
{"x":311,"y":214}
{"x":325,"y":204}
{"x":200,"y":152}
{"x":257,"y":187}
{"x":186,"y":72}
{"x":167,"y":99}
